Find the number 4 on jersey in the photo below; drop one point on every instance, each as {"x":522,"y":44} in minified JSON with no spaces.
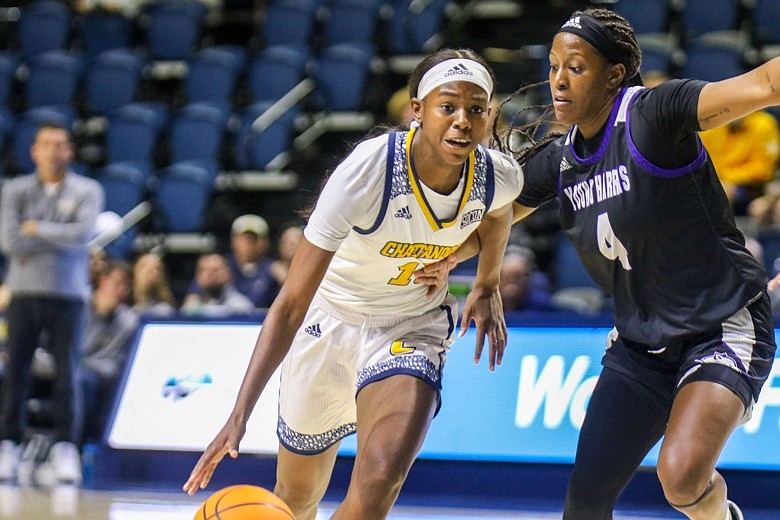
{"x":609,"y":245}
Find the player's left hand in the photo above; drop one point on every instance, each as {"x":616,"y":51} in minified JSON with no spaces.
{"x":485,"y":308}
{"x":435,"y":275}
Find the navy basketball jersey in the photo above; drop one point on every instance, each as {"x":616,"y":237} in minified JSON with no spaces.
{"x":662,"y":242}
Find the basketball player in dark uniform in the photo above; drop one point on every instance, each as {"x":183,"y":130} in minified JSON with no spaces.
{"x":693,"y":341}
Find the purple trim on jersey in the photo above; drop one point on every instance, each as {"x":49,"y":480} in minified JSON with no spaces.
{"x":490,"y":180}
{"x":388,"y":186}
{"x":657,"y":170}
{"x":593,"y":159}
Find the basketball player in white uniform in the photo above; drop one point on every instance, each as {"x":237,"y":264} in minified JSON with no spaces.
{"x":363,"y":343}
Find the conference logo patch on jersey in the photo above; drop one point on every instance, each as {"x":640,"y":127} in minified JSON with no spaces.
{"x":397,"y":348}
{"x":403,"y":213}
{"x":471,"y":217}
{"x":314,"y":330}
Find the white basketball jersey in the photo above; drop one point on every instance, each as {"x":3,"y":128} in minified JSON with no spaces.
{"x":393,"y":230}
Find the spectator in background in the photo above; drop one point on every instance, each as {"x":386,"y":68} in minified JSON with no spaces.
{"x":97,"y":263}
{"x":522,"y":286}
{"x":111,"y":327}
{"x":289,"y":240}
{"x":745,"y":153}
{"x":653,"y":78}
{"x":46,"y":219}
{"x":764,"y":211}
{"x":216,"y":297}
{"x":249,"y":262}
{"x":152,"y":296}
{"x":399,"y":111}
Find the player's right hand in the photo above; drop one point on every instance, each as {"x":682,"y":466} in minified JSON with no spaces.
{"x":226,"y":442}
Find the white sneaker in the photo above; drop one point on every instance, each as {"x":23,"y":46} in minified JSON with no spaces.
{"x":10,"y":453}
{"x":66,"y":462}
{"x":735,"y":511}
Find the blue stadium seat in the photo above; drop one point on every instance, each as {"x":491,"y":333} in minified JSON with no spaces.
{"x":705,"y":16}
{"x":415,"y":25}
{"x":341,"y":76}
{"x":100,"y":30}
{"x":44,"y":26}
{"x":254,"y":150}
{"x":132,"y":135}
{"x":197,"y":133}
{"x":659,"y":55}
{"x":646,"y":16}
{"x":275,"y":71}
{"x":175,"y":28}
{"x":26,"y":127}
{"x":351,"y":21}
{"x":7,"y":121}
{"x":9,"y":62}
{"x":112,"y":79}
{"x":125,"y":186}
{"x":53,"y":80}
{"x":182,"y":197}
{"x":568,"y":271}
{"x":212,"y":76}
{"x":713,"y":58}
{"x":766,"y":16}
{"x":289,"y":22}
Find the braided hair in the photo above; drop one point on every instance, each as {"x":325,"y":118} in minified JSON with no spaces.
{"x":625,"y":38}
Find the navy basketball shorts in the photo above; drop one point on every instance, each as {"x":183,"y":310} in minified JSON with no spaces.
{"x":336,"y":353}
{"x":737,"y":355}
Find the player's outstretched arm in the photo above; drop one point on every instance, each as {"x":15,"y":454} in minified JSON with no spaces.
{"x":279,"y":327}
{"x":722,"y":102}
{"x":483,"y":304}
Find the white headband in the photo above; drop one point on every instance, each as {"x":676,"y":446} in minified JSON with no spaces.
{"x":457,"y":69}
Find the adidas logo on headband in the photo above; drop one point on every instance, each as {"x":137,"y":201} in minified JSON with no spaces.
{"x":573,"y":22}
{"x":458,"y":70}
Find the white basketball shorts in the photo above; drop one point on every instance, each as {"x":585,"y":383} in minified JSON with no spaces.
{"x":336,"y":353}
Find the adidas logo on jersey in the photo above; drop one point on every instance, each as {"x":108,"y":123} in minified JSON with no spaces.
{"x":565,"y":165}
{"x":314,"y":330}
{"x":403,"y":213}
{"x":458,"y":70}
{"x":573,"y":22}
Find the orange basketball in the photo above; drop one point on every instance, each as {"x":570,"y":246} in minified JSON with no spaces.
{"x":244,"y":502}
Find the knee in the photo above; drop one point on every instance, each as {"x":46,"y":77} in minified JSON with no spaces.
{"x":379,"y":478}
{"x":590,"y":499}
{"x":683,"y":478}
{"x":300,"y":492}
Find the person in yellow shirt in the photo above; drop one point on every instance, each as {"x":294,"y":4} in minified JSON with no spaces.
{"x":745,"y":154}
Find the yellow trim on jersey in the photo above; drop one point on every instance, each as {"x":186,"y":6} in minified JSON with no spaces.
{"x":433,"y":221}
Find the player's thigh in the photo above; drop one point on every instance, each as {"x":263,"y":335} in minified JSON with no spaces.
{"x":703,"y":417}
{"x":393,"y":417}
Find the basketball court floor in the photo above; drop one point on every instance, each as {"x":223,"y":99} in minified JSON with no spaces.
{"x":70,"y":503}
